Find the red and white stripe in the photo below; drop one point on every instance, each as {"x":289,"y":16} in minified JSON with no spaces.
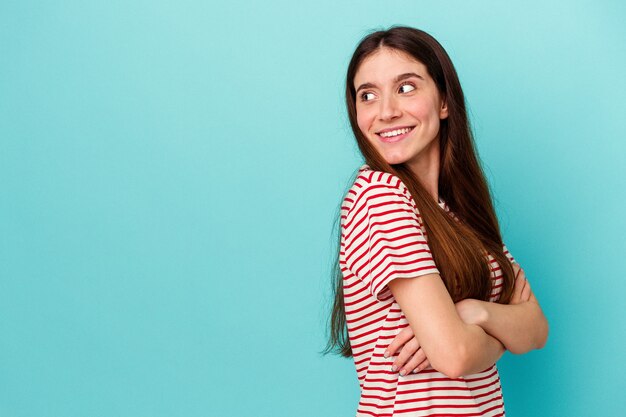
{"x":383,"y":238}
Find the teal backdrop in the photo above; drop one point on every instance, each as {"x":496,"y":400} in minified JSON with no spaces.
{"x":170,"y":173}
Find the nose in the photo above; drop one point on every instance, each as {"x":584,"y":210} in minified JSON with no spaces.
{"x":389,"y":109}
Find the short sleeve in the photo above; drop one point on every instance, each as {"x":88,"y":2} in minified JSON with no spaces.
{"x":381,"y":237}
{"x":508,"y":254}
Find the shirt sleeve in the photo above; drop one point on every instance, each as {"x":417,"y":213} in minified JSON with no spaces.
{"x":508,"y":254}
{"x":382,"y":239}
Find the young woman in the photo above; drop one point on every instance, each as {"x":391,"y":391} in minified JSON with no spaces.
{"x":427,"y":296}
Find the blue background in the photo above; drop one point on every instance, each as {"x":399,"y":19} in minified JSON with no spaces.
{"x":170,"y":173}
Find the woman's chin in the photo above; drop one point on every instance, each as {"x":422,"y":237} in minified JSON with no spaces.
{"x":394,"y":159}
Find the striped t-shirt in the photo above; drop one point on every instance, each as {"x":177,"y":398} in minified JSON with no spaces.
{"x":383,"y":238}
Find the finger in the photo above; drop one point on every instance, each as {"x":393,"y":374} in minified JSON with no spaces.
{"x":526,"y":292}
{"x":518,"y":288}
{"x":522,"y":277}
{"x":413,"y":363}
{"x":404,"y":336}
{"x":408,"y":350}
{"x":425,"y":364}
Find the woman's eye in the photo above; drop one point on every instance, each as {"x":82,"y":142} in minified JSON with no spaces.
{"x":367,"y":96}
{"x":406,"y":88}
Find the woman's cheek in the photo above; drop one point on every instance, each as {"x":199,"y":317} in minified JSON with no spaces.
{"x":363,"y":123}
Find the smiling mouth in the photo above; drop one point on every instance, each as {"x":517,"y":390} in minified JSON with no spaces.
{"x":389,"y":134}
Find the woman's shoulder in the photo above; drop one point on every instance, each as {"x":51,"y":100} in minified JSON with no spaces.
{"x":366,"y":176}
{"x":369,"y":183}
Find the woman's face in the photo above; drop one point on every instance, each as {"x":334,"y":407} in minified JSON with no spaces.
{"x":398,"y":108}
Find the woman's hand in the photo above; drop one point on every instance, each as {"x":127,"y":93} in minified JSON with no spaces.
{"x":521,"y":290}
{"x":411,"y":357}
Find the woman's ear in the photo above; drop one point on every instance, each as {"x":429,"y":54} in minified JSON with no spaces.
{"x":443,"y":113}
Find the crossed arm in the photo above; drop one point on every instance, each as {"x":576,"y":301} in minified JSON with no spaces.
{"x":466,"y":337}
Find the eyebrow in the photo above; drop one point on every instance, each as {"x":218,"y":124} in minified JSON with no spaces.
{"x":396,"y":80}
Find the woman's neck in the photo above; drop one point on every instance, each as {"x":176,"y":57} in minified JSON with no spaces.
{"x":426,"y":168}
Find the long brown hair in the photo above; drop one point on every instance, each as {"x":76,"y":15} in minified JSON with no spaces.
{"x":458,"y":247}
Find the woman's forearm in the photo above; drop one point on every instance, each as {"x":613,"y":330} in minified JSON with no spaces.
{"x":483,"y":354}
{"x":520,"y":327}
{"x":452,"y":346}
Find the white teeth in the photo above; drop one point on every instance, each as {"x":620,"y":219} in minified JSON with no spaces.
{"x":395,"y":132}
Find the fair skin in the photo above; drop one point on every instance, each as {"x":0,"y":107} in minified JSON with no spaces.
{"x":395,"y":92}
{"x":399,"y":110}
{"x":520,"y":326}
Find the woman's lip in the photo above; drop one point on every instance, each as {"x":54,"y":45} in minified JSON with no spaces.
{"x":391,"y":129}
{"x":393,"y":139}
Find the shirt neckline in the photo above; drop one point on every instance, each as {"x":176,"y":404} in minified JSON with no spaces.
{"x":441,"y":203}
